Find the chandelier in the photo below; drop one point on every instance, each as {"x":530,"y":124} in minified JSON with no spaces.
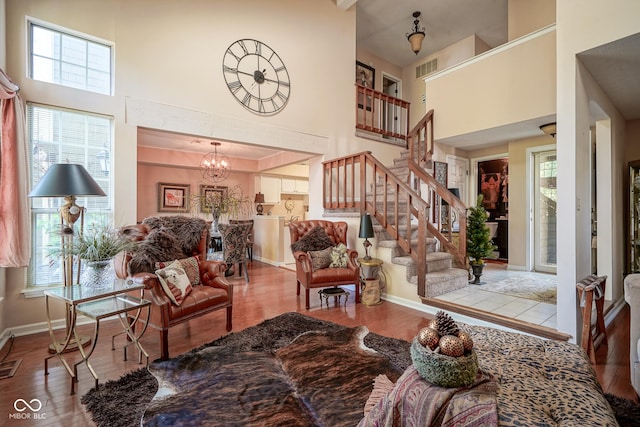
{"x":215,"y":166}
{"x":417,"y":34}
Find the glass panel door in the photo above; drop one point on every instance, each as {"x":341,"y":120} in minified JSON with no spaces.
{"x":545,"y":204}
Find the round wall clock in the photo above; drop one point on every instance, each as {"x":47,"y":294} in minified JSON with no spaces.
{"x":256,"y":76}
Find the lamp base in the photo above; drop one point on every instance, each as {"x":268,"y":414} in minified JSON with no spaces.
{"x":73,"y":344}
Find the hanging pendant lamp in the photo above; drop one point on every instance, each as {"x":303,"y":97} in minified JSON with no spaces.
{"x":215,"y":166}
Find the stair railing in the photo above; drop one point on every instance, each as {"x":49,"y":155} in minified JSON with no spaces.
{"x":359,"y":181}
{"x":420,"y":144}
{"x":381,"y":114}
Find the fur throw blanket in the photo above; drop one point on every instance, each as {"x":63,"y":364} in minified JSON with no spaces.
{"x":169,"y":238}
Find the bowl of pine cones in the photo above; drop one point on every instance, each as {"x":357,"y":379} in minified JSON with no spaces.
{"x":443,"y":354}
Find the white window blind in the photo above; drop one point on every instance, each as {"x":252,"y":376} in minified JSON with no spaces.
{"x":59,"y":136}
{"x":66,"y":59}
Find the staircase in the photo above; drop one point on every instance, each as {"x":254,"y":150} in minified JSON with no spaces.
{"x":443,"y":275}
{"x":405,"y":199}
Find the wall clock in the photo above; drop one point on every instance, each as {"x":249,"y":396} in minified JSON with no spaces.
{"x":256,"y":76}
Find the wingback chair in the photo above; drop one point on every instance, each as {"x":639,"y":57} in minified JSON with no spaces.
{"x":175,"y":238}
{"x":324,"y":277}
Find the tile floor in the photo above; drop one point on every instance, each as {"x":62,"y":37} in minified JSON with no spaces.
{"x":539,"y":313}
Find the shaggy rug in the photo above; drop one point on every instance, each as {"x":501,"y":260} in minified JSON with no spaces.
{"x":533,"y":288}
{"x":123,"y":402}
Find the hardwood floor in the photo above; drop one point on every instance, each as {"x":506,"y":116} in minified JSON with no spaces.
{"x":271,"y":291}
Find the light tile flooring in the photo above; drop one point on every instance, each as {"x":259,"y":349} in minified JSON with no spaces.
{"x":531,"y":311}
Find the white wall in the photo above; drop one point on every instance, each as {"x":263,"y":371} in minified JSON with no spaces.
{"x":168,"y":74}
{"x":583,"y":25}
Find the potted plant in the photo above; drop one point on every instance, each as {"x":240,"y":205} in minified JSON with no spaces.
{"x":231,"y":202}
{"x":479,"y":243}
{"x":96,"y":246}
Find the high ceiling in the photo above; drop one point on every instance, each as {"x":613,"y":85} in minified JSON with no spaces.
{"x":382,"y":25}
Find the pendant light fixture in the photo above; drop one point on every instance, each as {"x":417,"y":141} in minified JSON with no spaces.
{"x":215,"y":166}
{"x":417,"y":34}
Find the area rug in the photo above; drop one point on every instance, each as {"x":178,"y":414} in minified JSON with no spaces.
{"x":533,"y":288}
{"x":122,"y":402}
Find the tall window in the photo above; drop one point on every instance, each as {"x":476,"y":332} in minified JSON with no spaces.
{"x":69,"y":60}
{"x":57,"y":136}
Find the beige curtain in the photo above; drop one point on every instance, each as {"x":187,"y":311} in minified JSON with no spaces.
{"x":15,"y":233}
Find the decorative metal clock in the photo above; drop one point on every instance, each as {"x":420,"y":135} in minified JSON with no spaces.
{"x":256,"y":76}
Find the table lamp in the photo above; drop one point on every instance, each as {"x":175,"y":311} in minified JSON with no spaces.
{"x":366,"y":231}
{"x":259,"y":200}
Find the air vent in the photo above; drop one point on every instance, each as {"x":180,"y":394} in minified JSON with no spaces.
{"x":427,"y":68}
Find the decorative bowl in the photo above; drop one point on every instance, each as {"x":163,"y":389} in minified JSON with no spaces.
{"x":442,"y":370}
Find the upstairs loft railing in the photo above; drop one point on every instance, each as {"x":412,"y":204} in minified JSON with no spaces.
{"x":381,"y":114}
{"x":359,"y":181}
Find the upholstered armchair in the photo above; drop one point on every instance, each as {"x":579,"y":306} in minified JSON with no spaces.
{"x":162,"y":241}
{"x":309,"y":237}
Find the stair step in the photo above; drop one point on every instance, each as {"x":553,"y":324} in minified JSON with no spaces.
{"x":444,"y":281}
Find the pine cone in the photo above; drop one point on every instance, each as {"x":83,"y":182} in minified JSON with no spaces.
{"x":445,"y":324}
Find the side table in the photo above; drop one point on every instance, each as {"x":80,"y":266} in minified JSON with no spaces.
{"x":96,"y":304}
{"x":371,"y":275}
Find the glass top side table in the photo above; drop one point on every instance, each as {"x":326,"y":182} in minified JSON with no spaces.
{"x":78,"y":300}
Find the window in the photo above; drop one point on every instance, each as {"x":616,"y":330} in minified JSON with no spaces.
{"x":69,"y":60}
{"x":59,"y":135}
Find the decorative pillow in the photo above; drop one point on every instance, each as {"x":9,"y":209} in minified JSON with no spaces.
{"x":320,"y":259}
{"x":189,"y":265}
{"x":339,"y":256}
{"x":315,"y":240}
{"x":174,"y":282}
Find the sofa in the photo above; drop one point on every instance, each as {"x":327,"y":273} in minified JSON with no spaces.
{"x":632,"y":297}
{"x":159,"y":243}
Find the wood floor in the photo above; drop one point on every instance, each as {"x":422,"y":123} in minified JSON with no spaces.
{"x":270,"y":292}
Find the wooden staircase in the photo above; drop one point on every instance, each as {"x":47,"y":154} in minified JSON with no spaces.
{"x":404,"y":201}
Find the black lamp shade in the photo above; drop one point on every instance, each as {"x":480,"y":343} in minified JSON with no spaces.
{"x":366,"y":227}
{"x":65,"y":179}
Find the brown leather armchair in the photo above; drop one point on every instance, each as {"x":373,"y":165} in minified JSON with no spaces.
{"x":214,"y":292}
{"x":324,"y":277}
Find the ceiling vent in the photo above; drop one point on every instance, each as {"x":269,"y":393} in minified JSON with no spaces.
{"x":427,"y":68}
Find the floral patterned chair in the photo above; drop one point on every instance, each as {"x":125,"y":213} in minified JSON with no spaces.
{"x":234,"y":246}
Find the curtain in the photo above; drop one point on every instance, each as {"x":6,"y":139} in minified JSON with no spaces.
{"x":15,"y":232}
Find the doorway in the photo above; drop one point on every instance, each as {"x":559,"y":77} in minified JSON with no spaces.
{"x":391,"y":120}
{"x":545,"y":197}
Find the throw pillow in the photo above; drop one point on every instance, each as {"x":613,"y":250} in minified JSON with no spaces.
{"x":174,"y":281}
{"x":339,"y":256}
{"x":189,"y":265}
{"x":315,"y":240}
{"x":320,"y":259}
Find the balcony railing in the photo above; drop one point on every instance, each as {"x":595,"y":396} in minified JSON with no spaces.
{"x":381,"y":114}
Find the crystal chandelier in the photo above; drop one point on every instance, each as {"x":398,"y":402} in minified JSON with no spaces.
{"x":215,"y":166}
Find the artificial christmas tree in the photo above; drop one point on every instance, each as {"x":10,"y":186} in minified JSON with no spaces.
{"x":479,"y":243}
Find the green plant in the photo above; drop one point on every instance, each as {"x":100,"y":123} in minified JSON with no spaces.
{"x":479,"y":244}
{"x":231,"y":202}
{"x":97,"y":243}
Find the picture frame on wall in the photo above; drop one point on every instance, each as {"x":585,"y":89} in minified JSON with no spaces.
{"x":365,"y":75}
{"x":173,"y":197}
{"x":208,"y":193}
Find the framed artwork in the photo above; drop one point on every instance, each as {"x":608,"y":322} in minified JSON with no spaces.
{"x":365,"y":75}
{"x":173,"y":197}
{"x":209,"y":193}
